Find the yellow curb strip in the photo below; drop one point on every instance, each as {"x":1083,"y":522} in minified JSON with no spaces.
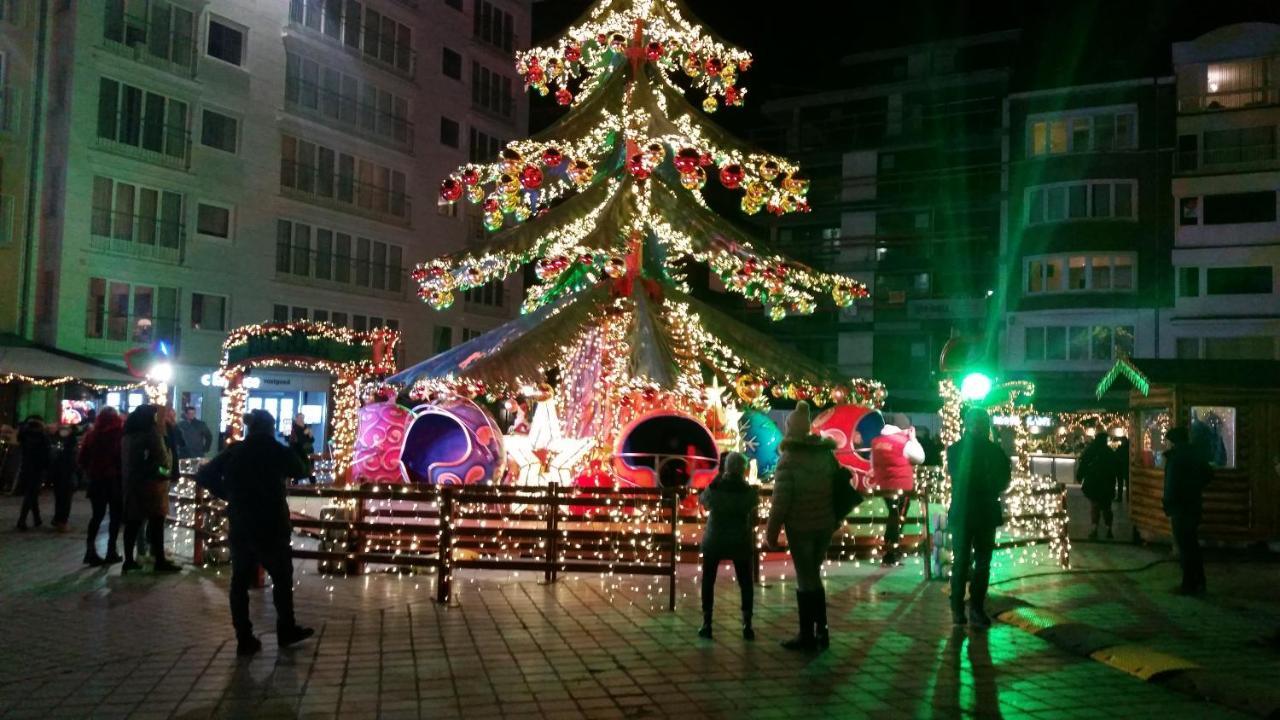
{"x":1141,"y":662}
{"x":1032,"y":619}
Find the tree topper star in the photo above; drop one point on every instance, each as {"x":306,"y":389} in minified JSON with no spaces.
{"x":545,"y":455}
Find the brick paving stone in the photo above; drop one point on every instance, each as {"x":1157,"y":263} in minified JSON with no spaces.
{"x":87,"y":643}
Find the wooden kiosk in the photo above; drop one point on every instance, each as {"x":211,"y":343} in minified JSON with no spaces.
{"x":1232,"y":410}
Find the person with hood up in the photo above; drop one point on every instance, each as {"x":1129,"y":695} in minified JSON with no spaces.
{"x":99,"y":459}
{"x":144,"y":468}
{"x":1096,"y":473}
{"x":251,"y":476}
{"x":894,"y":455}
{"x":803,"y":504}
{"x":731,"y":505}
{"x":980,"y":474}
{"x":1186,"y":475}
{"x":35,"y":449}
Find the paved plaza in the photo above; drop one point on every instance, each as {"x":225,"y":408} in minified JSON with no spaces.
{"x":83,"y":642}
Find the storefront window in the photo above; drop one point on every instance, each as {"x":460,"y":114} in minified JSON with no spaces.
{"x":1153,"y":424}
{"x":1213,"y":434}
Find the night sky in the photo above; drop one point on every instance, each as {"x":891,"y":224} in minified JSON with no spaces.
{"x":1070,"y":41}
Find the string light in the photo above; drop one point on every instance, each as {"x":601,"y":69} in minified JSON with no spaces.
{"x":7,"y":378}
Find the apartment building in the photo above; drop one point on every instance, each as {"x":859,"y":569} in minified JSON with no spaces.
{"x":1226,"y":250}
{"x":207,"y":165}
{"x":906,"y":165}
{"x":17,"y":43}
{"x":1089,"y":226}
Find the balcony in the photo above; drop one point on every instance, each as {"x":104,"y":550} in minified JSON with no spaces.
{"x":110,"y":334}
{"x":10,"y":111}
{"x":152,"y":142}
{"x":157,"y":44}
{"x":345,"y":112}
{"x":341,"y":273}
{"x":344,"y":194}
{"x":1230,"y":100}
{"x":377,"y":45}
{"x":141,"y":237}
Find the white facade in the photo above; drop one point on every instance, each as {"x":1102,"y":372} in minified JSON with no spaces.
{"x":1226,"y":253}
{"x":285,"y":166}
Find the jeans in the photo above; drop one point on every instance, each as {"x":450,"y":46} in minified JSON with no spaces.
{"x":743,"y":568}
{"x":1101,"y":510}
{"x":30,"y":484}
{"x":971,"y":563}
{"x":101,"y":504}
{"x":155,"y":538}
{"x":277,"y":559}
{"x":808,"y":552}
{"x":893,"y":524}
{"x":1186,"y":533}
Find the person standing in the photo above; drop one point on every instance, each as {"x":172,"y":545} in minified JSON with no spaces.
{"x":894,"y":454}
{"x":145,"y":462}
{"x":62,"y":474}
{"x":980,"y":473}
{"x":197,"y":439}
{"x":1186,"y":474}
{"x":302,"y":441}
{"x":1122,"y":468}
{"x":932,"y":448}
{"x":251,"y":476}
{"x":803,"y":504}
{"x":99,"y":459}
{"x":731,"y":505}
{"x":34,"y":448}
{"x":1096,"y":473}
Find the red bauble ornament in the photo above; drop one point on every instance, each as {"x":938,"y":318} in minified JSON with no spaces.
{"x":731,"y":176}
{"x":731,"y":96}
{"x":552,"y":157}
{"x":686,"y":160}
{"x":637,"y":167}
{"x":573,"y":53}
{"x":470,"y":176}
{"x":714,"y":66}
{"x":706,"y":160}
{"x":530,"y":177}
{"x":450,"y":190}
{"x":564,"y":97}
{"x":492,"y":205}
{"x":653,"y":51}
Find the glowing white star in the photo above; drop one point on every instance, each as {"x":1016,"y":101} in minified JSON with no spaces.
{"x":545,"y":455}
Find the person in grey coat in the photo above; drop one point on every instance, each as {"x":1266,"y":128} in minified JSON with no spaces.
{"x":729,"y":535}
{"x":803,"y":504}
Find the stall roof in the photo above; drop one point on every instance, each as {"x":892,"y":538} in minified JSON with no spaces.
{"x":24,"y":357}
{"x":1143,"y":373}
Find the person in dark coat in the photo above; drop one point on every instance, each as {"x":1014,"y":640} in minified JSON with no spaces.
{"x":1186,"y":474}
{"x":980,"y":474}
{"x":251,"y":476}
{"x":302,"y":441}
{"x":99,"y":459}
{"x":197,"y":438}
{"x":1096,"y":473}
{"x":932,"y":448}
{"x":145,"y":462}
{"x":1122,"y":468}
{"x":731,"y":505}
{"x":62,"y":475}
{"x":35,"y":450}
{"x":804,"y":504}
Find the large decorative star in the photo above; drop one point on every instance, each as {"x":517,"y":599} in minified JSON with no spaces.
{"x":545,"y":455}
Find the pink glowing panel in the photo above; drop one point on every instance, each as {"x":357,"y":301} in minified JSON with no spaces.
{"x":378,"y":442}
{"x":453,"y":442}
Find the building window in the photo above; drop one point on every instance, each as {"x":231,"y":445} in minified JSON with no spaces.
{"x":1255,"y":280}
{"x":323,"y":173}
{"x":1188,"y":153}
{"x":338,"y":96}
{"x":1189,"y":211}
{"x":1093,"y":200}
{"x":132,"y":313}
{"x":451,"y":64}
{"x":280,"y":313}
{"x":1237,"y":84}
{"x":1249,"y":347}
{"x":491,"y":90}
{"x":208,"y":312}
{"x":225,"y":42}
{"x":490,"y":294}
{"x":442,"y":338}
{"x":1233,"y":208}
{"x":213,"y":220}
{"x":166,"y":31}
{"x":1082,"y":131}
{"x":1239,"y":145}
{"x":133,"y":213}
{"x":306,"y":251}
{"x":219,"y":131}
{"x":450,"y":133}
{"x":362,"y":28}
{"x":494,"y":26}
{"x":1079,"y":273}
{"x":141,"y":119}
{"x":1188,"y":282}
{"x":387,"y":40}
{"x":484,"y":147}
{"x":1083,"y":343}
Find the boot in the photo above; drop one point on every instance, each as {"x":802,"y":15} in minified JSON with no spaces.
{"x":92,"y":560}
{"x":164,"y":566}
{"x":247,"y":646}
{"x":803,"y":641}
{"x":820,"y":634}
{"x":293,"y":635}
{"x":705,"y":631}
{"x":957,"y":612}
{"x":977,"y":611}
{"x":748,"y":633}
{"x":1110,"y":535}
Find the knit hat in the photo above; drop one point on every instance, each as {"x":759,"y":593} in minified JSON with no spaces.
{"x":900,"y":420}
{"x":798,"y":421}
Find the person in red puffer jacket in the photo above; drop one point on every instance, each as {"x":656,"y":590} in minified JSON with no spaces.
{"x":99,"y":458}
{"x":894,"y":455}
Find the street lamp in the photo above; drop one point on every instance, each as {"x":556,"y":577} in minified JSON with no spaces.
{"x":975,"y":387}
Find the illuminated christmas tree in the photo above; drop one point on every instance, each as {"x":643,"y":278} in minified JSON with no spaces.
{"x":608,"y":205}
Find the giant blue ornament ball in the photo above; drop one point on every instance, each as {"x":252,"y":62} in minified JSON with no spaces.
{"x":760,"y":440}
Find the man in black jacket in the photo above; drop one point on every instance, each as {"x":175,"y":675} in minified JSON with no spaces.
{"x":251,"y":477}
{"x":980,"y":474}
{"x":1185,"y":476}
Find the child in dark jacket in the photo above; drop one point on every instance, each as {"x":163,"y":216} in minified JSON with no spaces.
{"x":730,"y":535}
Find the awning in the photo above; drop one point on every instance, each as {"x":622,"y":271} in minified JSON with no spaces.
{"x":22,"y":357}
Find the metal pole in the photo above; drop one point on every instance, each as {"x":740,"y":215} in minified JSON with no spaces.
{"x":553,"y":529}
{"x":675,"y":547}
{"x":444,"y":572}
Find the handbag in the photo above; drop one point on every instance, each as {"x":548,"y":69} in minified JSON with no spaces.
{"x":844,"y":496}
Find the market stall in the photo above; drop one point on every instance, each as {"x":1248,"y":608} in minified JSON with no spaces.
{"x":1232,"y":410}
